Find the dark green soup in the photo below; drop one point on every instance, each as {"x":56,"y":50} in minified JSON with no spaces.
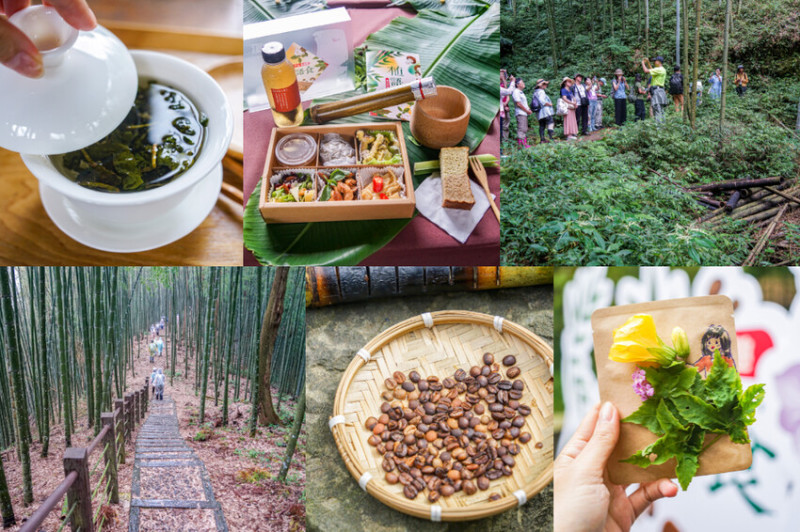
{"x":159,"y":140}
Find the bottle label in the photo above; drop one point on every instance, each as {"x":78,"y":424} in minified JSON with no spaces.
{"x":286,"y":99}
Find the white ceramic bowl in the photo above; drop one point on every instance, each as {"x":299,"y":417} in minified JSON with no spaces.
{"x":137,"y":207}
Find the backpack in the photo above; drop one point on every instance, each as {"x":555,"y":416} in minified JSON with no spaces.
{"x":536,"y":105}
{"x":676,"y":84}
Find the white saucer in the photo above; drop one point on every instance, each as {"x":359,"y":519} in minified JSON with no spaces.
{"x":106,"y":235}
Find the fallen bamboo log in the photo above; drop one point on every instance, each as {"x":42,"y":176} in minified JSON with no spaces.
{"x":738,"y":183}
{"x":783,"y":195}
{"x":708,"y":202}
{"x":751,"y":259}
{"x":767,"y":201}
{"x":734,"y":199}
{"x":763,"y":215}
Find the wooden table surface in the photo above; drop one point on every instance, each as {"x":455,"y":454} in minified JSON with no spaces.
{"x":28,"y":237}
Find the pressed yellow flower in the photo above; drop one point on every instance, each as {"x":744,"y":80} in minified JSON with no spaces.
{"x":637,"y":342}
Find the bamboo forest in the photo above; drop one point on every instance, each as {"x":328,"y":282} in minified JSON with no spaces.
{"x":136,"y":398}
{"x":691,"y":154}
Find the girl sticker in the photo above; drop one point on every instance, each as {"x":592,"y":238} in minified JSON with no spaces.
{"x":715,"y":338}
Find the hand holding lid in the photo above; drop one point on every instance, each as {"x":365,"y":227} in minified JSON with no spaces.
{"x":64,"y":89}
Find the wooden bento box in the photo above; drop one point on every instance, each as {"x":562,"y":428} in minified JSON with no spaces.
{"x":330,"y":211}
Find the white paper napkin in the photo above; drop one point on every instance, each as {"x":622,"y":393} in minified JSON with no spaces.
{"x":458,"y":223}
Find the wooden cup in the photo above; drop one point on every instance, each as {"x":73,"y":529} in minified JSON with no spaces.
{"x":442,"y":120}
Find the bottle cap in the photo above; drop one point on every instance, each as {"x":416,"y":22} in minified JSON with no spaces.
{"x":88,"y":87}
{"x":273,"y":52}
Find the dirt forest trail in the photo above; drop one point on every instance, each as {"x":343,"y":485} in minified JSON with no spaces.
{"x":171,"y":489}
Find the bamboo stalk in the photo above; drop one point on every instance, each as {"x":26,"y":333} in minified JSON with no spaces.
{"x":781,"y":194}
{"x":418,"y":89}
{"x":734,"y":199}
{"x":735,"y":184}
{"x":751,"y":259}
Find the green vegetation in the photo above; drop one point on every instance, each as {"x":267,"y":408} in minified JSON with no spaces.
{"x":620,"y":199}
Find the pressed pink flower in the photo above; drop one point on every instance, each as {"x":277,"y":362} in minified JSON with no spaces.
{"x":640,"y":385}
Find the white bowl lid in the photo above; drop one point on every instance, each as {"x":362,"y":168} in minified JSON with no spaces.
{"x":87,"y":90}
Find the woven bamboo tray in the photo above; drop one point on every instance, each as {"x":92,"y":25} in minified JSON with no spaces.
{"x":438,"y":343}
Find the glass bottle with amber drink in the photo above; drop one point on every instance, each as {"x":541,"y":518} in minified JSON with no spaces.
{"x":280,"y":81}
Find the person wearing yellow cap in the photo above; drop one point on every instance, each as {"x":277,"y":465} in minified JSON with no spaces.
{"x":741,"y":80}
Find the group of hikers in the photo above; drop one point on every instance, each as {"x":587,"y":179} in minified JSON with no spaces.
{"x":580,"y":100}
{"x":156,"y":347}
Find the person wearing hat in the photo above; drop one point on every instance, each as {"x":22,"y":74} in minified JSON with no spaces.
{"x":676,"y":89}
{"x":153,"y":380}
{"x":582,"y":102}
{"x":521,"y":111}
{"x":620,"y":89}
{"x":741,"y":80}
{"x":545,"y":116}
{"x":598,"y":110}
{"x":715,"y":82}
{"x":658,"y":97}
{"x":568,"y":99}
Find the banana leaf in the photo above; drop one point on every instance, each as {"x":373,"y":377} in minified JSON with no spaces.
{"x":260,"y":10}
{"x":459,"y":52}
{"x":455,"y":8}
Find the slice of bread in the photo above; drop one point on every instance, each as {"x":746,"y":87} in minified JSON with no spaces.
{"x":456,"y":191}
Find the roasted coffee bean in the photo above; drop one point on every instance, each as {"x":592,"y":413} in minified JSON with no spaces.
{"x":488,"y":359}
{"x":414,"y":376}
{"x":494,"y":378}
{"x":449,"y":382}
{"x":387,"y":395}
{"x":518,"y":385}
{"x":447,"y":490}
{"x":479,"y":409}
{"x":538,"y":445}
{"x":460,"y":375}
{"x":509,"y":360}
{"x":498,"y":434}
{"x":405,"y":478}
{"x":509,"y":460}
{"x":390,"y":384}
{"x":378,"y":429}
{"x":400,"y":394}
{"x":514,"y":432}
{"x":482,"y":381}
{"x":513,"y":372}
{"x":494,"y":497}
{"x":483,"y":483}
{"x":399,"y":377}
{"x":512,"y":403}
{"x":515,"y":394}
{"x":502,"y":397}
{"x":429,"y":408}
{"x":374,"y":440}
{"x":391,"y":478}
{"x":524,"y":410}
{"x":423,"y":386}
{"x":496,"y":407}
{"x":388,"y":464}
{"x":525,"y":437}
{"x":408,"y":386}
{"x":513,"y":449}
{"x":486,"y":370}
{"x":435,"y":386}
{"x":504,"y":385}
{"x":410,"y":492}
{"x":433,"y":496}
{"x":469,"y":487}
{"x":494,"y":474}
{"x":370,"y":423}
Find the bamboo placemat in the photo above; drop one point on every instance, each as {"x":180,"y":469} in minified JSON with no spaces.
{"x":438,"y":343}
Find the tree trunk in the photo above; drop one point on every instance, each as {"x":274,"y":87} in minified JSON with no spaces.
{"x":724,"y":65}
{"x":661,"y":15}
{"x":254,"y":364}
{"x":299,"y":414}
{"x":236,"y":286}
{"x":269,"y":333}
{"x":647,"y":28}
{"x":214,"y":284}
{"x":677,"y":32}
{"x":552,"y":29}
{"x":797,"y":124}
{"x":685,"y":61}
{"x":6,"y":509}
{"x":698,"y":8}
{"x":43,"y":362}
{"x":7,"y":286}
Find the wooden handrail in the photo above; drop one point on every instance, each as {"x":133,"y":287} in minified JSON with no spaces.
{"x":38,"y":517}
{"x":96,"y":441}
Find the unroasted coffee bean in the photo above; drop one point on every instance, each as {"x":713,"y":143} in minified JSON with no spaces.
{"x":509,"y":360}
{"x":513,"y":372}
{"x":488,"y":359}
